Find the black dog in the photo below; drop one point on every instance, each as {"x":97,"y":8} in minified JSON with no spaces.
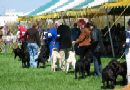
{"x":25,"y":55}
{"x":114,"y":68}
{"x":43,"y":55}
{"x":123,"y":72}
{"x":119,"y":69}
{"x":108,"y":77}
{"x":83,"y":66}
{"x":17,"y":52}
{"x":80,"y":67}
{"x":109,"y":74}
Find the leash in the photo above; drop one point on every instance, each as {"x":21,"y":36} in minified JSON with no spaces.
{"x":121,"y":57}
{"x":73,"y":44}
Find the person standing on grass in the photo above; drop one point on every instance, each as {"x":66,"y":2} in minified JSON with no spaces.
{"x":65,"y":43}
{"x":52,"y":37}
{"x":97,"y":45}
{"x":20,"y":35}
{"x":84,"y":40}
{"x":33,"y":39}
{"x":127,"y":51}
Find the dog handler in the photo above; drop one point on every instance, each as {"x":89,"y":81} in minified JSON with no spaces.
{"x":84,"y":40}
{"x":127,"y":51}
{"x":33,"y":39}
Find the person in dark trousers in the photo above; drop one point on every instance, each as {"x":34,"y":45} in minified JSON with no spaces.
{"x":33,"y":40}
{"x":97,"y":45}
{"x":65,"y":42}
{"x":84,"y":40}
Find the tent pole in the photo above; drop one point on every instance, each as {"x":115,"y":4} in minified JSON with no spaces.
{"x":113,"y":53}
{"x":62,"y":14}
{"x":124,"y":20}
{"x":69,"y":21}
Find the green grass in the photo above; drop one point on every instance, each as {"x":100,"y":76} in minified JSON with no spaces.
{"x":14,"y":77}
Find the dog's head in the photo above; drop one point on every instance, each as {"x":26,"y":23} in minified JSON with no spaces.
{"x":16,"y":50}
{"x":115,"y":65}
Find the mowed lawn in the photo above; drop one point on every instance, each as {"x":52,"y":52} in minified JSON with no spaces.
{"x":14,"y":77}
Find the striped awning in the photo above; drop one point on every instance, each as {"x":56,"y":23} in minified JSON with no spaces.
{"x":80,"y":6}
{"x":61,"y":2}
{"x":42,"y":8}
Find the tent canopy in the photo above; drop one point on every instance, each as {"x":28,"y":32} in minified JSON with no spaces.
{"x":123,"y":3}
{"x":42,"y":8}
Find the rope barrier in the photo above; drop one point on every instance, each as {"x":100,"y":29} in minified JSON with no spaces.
{"x":117,"y":18}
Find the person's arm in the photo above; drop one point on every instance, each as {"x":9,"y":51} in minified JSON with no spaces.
{"x":25,"y":35}
{"x":18,"y":34}
{"x":127,"y":38}
{"x":81,"y":38}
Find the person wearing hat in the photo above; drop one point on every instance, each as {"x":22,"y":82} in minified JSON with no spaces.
{"x":33,"y":43}
{"x":127,"y":51}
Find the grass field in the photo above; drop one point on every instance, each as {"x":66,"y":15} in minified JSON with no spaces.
{"x":14,"y":77}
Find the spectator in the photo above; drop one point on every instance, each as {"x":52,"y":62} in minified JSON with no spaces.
{"x":97,"y":45}
{"x":84,"y":40}
{"x":127,"y":51}
{"x":65,"y":43}
{"x":20,"y":34}
{"x":52,"y":37}
{"x":75,"y":32}
{"x":33,"y":40}
{"x":1,"y":33}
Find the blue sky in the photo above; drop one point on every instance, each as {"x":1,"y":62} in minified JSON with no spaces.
{"x":20,"y":5}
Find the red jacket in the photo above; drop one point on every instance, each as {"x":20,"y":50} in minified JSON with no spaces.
{"x":22,"y":30}
{"x":84,"y":38}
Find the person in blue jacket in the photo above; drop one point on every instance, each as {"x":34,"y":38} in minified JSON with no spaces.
{"x":127,"y":51}
{"x":52,"y":39}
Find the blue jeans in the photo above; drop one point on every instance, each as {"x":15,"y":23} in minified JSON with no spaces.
{"x":33,"y":52}
{"x":97,"y":65}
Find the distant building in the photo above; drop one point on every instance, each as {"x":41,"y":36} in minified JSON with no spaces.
{"x":12,"y":12}
{"x":10,"y":16}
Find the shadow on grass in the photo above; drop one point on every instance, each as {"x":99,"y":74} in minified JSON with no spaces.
{"x":106,"y":88}
{"x":118,"y":83}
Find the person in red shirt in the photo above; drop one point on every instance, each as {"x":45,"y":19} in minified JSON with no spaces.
{"x":20,"y":34}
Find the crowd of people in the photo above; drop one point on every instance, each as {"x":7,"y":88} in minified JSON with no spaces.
{"x":84,"y":37}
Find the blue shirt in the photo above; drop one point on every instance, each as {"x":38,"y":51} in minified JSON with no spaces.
{"x":52,"y":39}
{"x":128,"y":37}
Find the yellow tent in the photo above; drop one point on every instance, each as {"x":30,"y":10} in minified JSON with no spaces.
{"x":122,"y":3}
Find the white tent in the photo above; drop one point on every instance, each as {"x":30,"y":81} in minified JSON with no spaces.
{"x":61,"y":2}
{"x":71,"y":5}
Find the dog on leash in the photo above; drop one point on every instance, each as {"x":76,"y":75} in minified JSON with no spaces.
{"x":111,"y":72}
{"x":82,"y":66}
{"x":17,"y":52}
{"x":55,"y":58}
{"x":25,"y":57}
{"x":123,"y":72}
{"x":108,"y":77}
{"x":71,"y":60}
{"x":43,"y":55}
